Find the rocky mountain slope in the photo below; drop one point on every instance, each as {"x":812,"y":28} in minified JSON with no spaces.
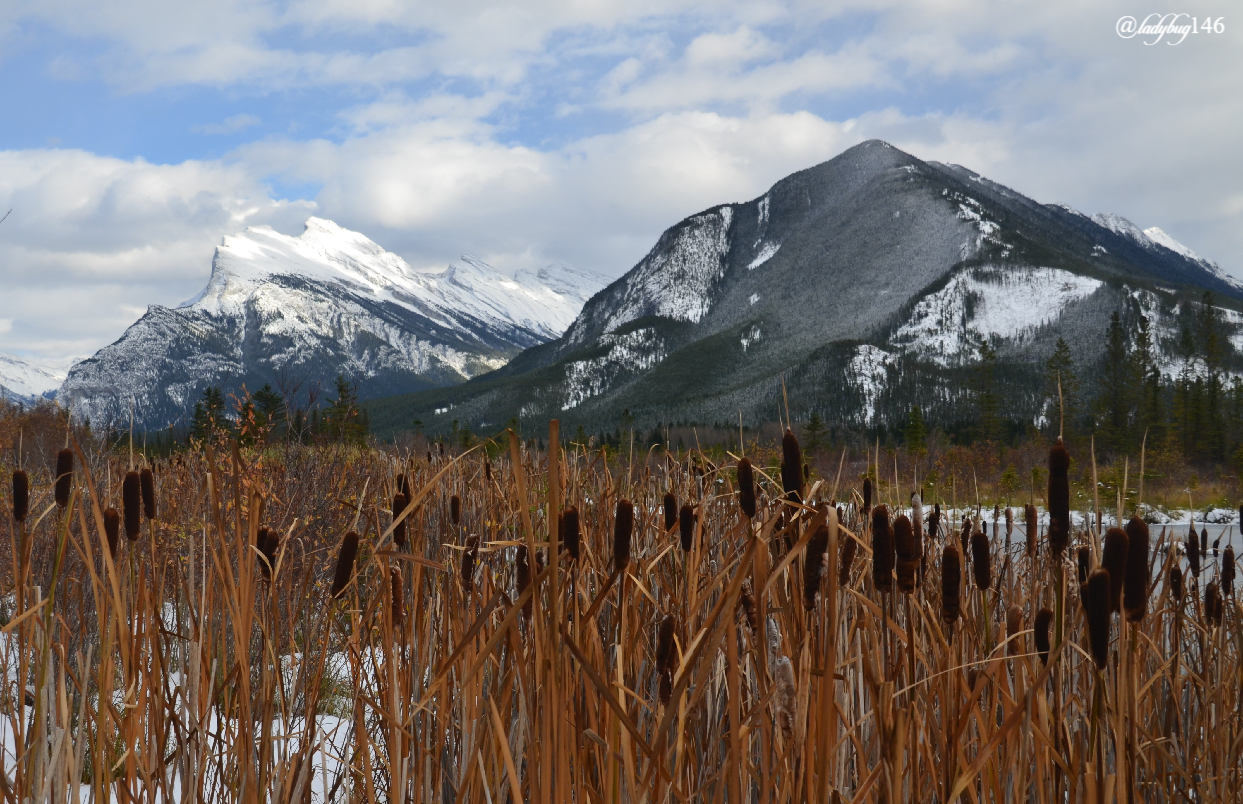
{"x":868,"y":283}
{"x":298,"y":311}
{"x":25,"y":382}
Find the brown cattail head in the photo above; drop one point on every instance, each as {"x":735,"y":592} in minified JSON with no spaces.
{"x":400,"y":501}
{"x":21,"y":495}
{"x":686,"y":527}
{"x":1135,"y":587}
{"x":981,"y":561}
{"x":571,"y":537}
{"x":403,"y":485}
{"x":1032,"y":526}
{"x":1044,"y":618}
{"x":746,"y":488}
{"x":1193,"y":553}
{"x":398,"y":600}
{"x":487,"y":470}
{"x":1213,"y":607}
{"x":1014,"y":624}
{"x":1083,"y":557}
{"x":965,"y":538}
{"x":883,"y":554}
{"x":1113,"y":558}
{"x":523,"y":577}
{"x":1176,"y":585}
{"x":845,"y":562}
{"x":671,"y":511}
{"x":468,"y":564}
{"x":345,"y":564}
{"x":934,"y":521}
{"x":146,"y":482}
{"x":906,"y":547}
{"x":791,"y":466}
{"x":64,"y":476}
{"x":455,"y":510}
{"x":112,"y":530}
{"x":1059,"y":498}
{"x":623,"y":528}
{"x":867,"y":495}
{"x":1009,"y":522}
{"x":131,"y":504}
{"x":813,"y":567}
{"x":1096,"y":605}
{"x":267,"y":541}
{"x":951,"y":584}
{"x":665,"y":657}
{"x":1204,"y":543}
{"x":746,"y":604}
{"x":1227,"y":571}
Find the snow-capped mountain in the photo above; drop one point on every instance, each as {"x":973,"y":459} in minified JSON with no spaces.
{"x":298,"y":311}
{"x":869,"y":283}
{"x":24,"y":381}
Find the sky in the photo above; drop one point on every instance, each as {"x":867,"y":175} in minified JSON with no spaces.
{"x":135,"y":134}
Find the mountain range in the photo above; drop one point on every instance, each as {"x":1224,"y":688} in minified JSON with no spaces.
{"x":855,"y":288}
{"x":295,"y":312}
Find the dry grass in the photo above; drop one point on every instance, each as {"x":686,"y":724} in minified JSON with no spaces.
{"x":718,"y":673}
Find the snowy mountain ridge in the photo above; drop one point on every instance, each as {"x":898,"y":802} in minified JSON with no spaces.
{"x":24,"y":381}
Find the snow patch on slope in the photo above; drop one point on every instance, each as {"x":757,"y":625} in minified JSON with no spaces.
{"x":24,"y":381}
{"x":766,"y":253}
{"x":867,"y":370}
{"x":631,"y":352}
{"x":947,"y":326}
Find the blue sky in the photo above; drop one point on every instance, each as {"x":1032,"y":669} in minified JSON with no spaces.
{"x":137,"y":134}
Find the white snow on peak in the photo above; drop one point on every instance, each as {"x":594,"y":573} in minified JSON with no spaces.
{"x":545,"y":301}
{"x":948,"y":325}
{"x":766,"y":253}
{"x":1158,"y":236}
{"x":25,"y":380}
{"x":1120,"y":225}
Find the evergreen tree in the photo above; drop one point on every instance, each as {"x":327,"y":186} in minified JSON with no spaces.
{"x":269,"y":408}
{"x":814,"y":434}
{"x":1060,"y":370}
{"x":987,"y":403}
{"x":1114,"y":404}
{"x":1188,"y":395}
{"x":343,"y":420}
{"x":210,"y":418}
{"x":1212,"y":353}
{"x":916,"y":433}
{"x":1149,"y":409}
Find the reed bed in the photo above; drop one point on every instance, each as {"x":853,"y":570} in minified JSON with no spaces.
{"x":324,"y":624}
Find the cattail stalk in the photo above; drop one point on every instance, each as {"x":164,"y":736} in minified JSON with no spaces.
{"x":345,"y":564}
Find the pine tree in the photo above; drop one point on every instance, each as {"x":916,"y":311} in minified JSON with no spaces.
{"x":1114,"y":404}
{"x":986,"y":400}
{"x":1149,"y":409}
{"x":814,"y":434}
{"x":916,"y":433}
{"x":210,"y":419}
{"x":343,"y":420}
{"x":1060,"y":370}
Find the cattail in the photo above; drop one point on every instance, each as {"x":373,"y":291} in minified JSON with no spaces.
{"x":1227,"y":571}
{"x":468,"y":564}
{"x":813,"y":567}
{"x":398,"y":599}
{"x":981,"y":561}
{"x":487,"y":470}
{"x":345,"y":564}
{"x":883,"y":553}
{"x":400,"y":501}
{"x":791,"y":466}
{"x":21,"y":495}
{"x":1009,"y":524}
{"x":403,"y":485}
{"x":455,"y":510}
{"x":906,"y":547}
{"x":1113,"y":558}
{"x":1059,"y":498}
{"x":266,"y":559}
{"x":847,"y":559}
{"x":1204,"y":543}
{"x":1083,"y":557}
{"x":1135,"y":587}
{"x":112,"y":530}
{"x":787,"y":692}
{"x":951,"y":584}
{"x":1176,"y":584}
{"x":746,"y":604}
{"x":64,"y":476}
{"x":664,"y":658}
{"x":965,"y":538}
{"x":686,"y":523}
{"x":146,"y":482}
{"x":1193,"y":553}
{"x":1014,"y":624}
{"x":1044,"y":618}
{"x":1213,"y":607}
{"x":867,"y":495}
{"x":934,"y":522}
{"x":571,"y":538}
{"x":917,"y":521}
{"x":623,"y":527}
{"x":746,"y":488}
{"x":1096,"y":605}
{"x":131,"y":504}
{"x":523,"y":573}
{"x":1032,"y":525}
{"x":671,"y":511}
